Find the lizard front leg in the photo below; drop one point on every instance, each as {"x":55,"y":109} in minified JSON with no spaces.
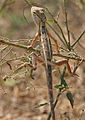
{"x":35,"y":39}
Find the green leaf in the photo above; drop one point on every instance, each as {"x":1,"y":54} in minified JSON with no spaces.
{"x":63,"y":73}
{"x":31,"y":74}
{"x":58,"y":86}
{"x":61,"y":86}
{"x":63,"y":82}
{"x":55,"y":59}
{"x":40,"y":105}
{"x":49,"y":20}
{"x":62,"y":50}
{"x":70,"y":98}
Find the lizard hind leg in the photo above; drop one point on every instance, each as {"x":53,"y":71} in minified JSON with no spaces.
{"x":36,"y":59}
{"x":63,"y":62}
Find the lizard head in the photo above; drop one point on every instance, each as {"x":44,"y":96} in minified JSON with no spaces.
{"x":38,"y":14}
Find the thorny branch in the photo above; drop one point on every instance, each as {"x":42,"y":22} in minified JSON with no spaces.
{"x":38,"y":51}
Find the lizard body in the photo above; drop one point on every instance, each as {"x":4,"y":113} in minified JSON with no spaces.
{"x":40,"y":19}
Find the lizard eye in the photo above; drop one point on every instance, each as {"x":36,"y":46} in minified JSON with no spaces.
{"x":34,"y":12}
{"x":43,"y":10}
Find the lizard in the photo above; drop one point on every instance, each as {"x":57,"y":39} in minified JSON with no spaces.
{"x":40,"y":19}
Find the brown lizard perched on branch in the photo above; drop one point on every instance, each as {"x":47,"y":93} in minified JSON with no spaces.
{"x":40,"y":19}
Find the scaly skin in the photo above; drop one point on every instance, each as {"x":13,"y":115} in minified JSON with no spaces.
{"x":40,"y":19}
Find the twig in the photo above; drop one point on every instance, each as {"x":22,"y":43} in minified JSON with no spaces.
{"x":6,"y":54}
{"x":4,"y":48}
{"x":20,"y":46}
{"x":24,"y":14}
{"x":9,"y":60}
{"x":16,"y":70}
{"x":56,"y":34}
{"x":28,"y":2}
{"x":78,"y":39}
{"x":68,"y":32}
{"x":68,"y":57}
{"x":38,"y":51}
{"x":57,"y":97}
{"x":4,"y":5}
{"x":60,"y":91}
{"x":58,"y":26}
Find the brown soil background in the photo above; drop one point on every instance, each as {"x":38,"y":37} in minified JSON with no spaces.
{"x":19,"y":103}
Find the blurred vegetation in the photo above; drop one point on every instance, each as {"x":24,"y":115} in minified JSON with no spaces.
{"x":14,"y":26}
{"x":14,"y":17}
